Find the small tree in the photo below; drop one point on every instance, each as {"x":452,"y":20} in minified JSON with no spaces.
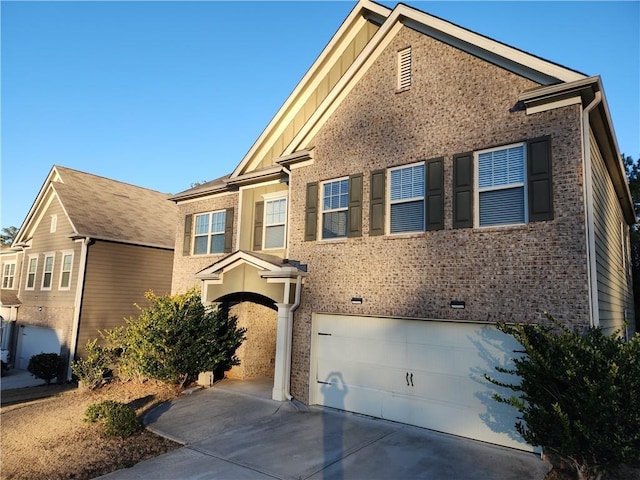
{"x":45,"y":366}
{"x":578,"y":395}
{"x":176,"y":338}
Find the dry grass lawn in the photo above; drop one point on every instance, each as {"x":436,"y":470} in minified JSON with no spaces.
{"x":48,"y":438}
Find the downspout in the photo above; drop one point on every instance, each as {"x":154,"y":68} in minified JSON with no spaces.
{"x":78,"y":303}
{"x":592,"y":276}
{"x":294,"y":307}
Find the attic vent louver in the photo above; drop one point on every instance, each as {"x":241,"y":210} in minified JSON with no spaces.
{"x":404,"y":68}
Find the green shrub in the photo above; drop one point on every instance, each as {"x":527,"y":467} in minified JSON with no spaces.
{"x":92,"y":369}
{"x":578,"y":395}
{"x":46,"y":366}
{"x":176,"y":338}
{"x":118,"y":419}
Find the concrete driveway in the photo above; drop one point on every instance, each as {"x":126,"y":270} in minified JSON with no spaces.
{"x":230,"y":434}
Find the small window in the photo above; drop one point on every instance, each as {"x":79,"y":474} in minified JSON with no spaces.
{"x":501,"y":193}
{"x":31,"y":273}
{"x":8,"y":275}
{"x":47,"y":274}
{"x":209,"y":233}
{"x":54,"y":223}
{"x":406,"y":199}
{"x":65,"y":275}
{"x":335,"y":204}
{"x":404,"y":79}
{"x":275,"y":219}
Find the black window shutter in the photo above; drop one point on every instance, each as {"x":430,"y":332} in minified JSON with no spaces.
{"x":435,"y":193}
{"x":186,"y":245}
{"x":376,"y":203}
{"x":354,"y":221}
{"x":228,"y":231}
{"x":539,"y":178}
{"x":311,"y":212}
{"x":257,"y":226}
{"x":463,"y":190}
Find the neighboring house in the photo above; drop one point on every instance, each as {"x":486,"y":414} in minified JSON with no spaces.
{"x":88,"y":250}
{"x":421,"y":183}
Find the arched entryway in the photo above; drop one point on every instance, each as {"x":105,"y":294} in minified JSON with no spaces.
{"x":252,"y":284}
{"x":259,"y":315}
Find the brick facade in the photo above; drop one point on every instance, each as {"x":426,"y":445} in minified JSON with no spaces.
{"x":457,"y":103}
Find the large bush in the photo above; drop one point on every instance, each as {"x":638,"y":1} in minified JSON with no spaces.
{"x":46,"y":366}
{"x":578,"y":395}
{"x":176,"y":338}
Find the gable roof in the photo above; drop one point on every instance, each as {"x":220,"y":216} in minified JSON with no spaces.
{"x":105,"y":209}
{"x":390,"y":22}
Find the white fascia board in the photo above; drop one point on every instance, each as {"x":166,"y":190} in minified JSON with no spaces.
{"x":553,"y":105}
{"x":307,"y":85}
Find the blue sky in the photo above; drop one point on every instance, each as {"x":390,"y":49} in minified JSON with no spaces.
{"x":164,"y":94}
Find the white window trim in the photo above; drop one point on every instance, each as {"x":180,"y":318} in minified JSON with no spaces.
{"x":331,"y":210}
{"x":270,"y":197}
{"x":62,"y":270}
{"x":35,"y":272}
{"x":11,"y":275}
{"x":389,"y":202}
{"x":209,"y":234}
{"x":44,"y":271}
{"x":477,"y":190}
{"x":54,"y":223}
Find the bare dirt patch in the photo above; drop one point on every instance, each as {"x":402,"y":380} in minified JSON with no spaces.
{"x":48,"y":438}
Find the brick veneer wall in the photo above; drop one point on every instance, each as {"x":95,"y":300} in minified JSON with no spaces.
{"x":457,"y":103}
{"x":186,"y":266}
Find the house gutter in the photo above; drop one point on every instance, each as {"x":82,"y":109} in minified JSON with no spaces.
{"x":86,"y":241}
{"x":592,"y":276}
{"x":294,"y":307}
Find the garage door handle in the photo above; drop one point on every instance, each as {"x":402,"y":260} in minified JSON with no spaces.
{"x":407,"y":378}
{"x":411,"y":378}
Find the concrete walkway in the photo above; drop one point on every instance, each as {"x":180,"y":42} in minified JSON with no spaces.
{"x":15,"y":378}
{"x":229,"y":434}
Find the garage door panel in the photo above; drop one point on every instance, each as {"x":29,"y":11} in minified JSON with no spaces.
{"x":424,"y":373}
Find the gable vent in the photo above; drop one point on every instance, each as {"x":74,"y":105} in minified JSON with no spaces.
{"x":404,"y":68}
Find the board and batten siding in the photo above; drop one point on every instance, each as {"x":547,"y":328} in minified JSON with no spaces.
{"x":615,"y":293}
{"x":316,"y":97}
{"x":117,"y":277}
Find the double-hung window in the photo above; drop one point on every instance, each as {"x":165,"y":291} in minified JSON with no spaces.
{"x":501,"y":192}
{"x":65,"y":275}
{"x":209,"y":233}
{"x":407,"y":199}
{"x":8,"y":274}
{"x":31,"y":272}
{"x":275,"y":219}
{"x":47,"y":274}
{"x":335,"y":204}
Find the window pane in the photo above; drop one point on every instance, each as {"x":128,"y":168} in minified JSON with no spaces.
{"x":407,"y":217}
{"x":47,"y":280}
{"x":335,"y":195}
{"x":407,"y":182}
{"x":500,"y":207}
{"x":217,"y":244}
{"x":334,"y":224}
{"x":501,"y":167}
{"x":202,"y":224}
{"x":217,"y":224}
{"x":276,"y":211}
{"x":274,"y":237}
{"x":66,"y":262}
{"x":65,"y":279}
{"x":200,"y":245}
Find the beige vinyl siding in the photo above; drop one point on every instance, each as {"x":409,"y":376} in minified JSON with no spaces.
{"x":117,"y":277}
{"x":615,"y":297}
{"x":249,"y":198}
{"x":46,"y":242}
{"x":319,"y":94}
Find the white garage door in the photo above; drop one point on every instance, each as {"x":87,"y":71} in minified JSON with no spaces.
{"x":424,"y":373}
{"x":35,"y":340}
